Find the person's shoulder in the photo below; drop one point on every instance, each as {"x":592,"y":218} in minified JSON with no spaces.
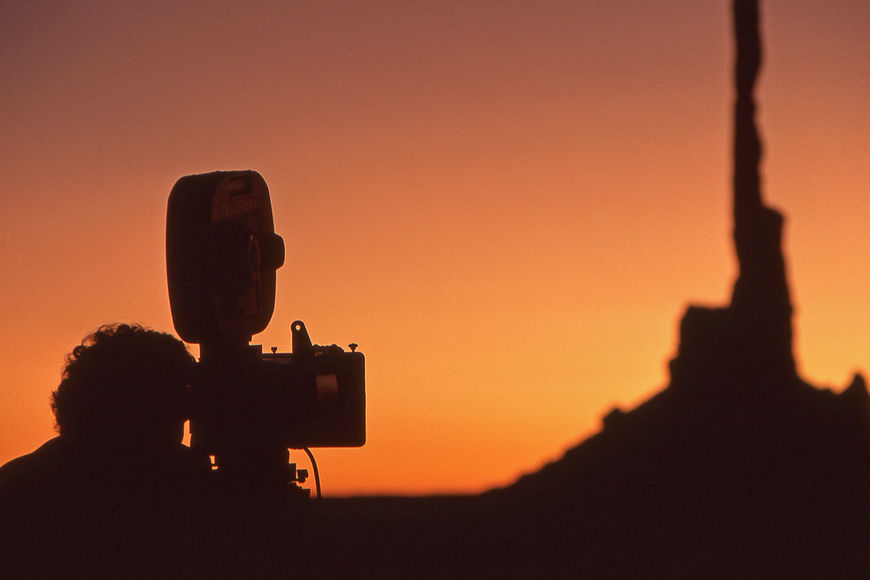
{"x":18,"y":464}
{"x":20,"y":470}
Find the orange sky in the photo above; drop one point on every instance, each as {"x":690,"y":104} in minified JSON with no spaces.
{"x":506,"y":204}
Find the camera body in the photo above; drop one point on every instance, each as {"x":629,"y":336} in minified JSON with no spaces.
{"x":249,"y":407}
{"x":248,"y":399}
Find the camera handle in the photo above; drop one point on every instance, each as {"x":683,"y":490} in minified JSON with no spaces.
{"x":300,"y":340}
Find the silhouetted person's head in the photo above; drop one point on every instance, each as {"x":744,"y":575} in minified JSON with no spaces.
{"x":125,"y":385}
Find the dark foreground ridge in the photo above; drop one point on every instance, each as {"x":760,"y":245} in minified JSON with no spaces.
{"x":738,"y":467}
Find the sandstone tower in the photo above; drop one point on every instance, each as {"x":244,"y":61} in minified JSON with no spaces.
{"x":748,"y":344}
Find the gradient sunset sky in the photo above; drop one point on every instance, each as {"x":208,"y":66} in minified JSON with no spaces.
{"x":507,"y":205}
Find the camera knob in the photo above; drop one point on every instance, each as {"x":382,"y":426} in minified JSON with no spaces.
{"x":352,"y":346}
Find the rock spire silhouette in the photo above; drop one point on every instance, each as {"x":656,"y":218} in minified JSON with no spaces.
{"x":749,"y":343}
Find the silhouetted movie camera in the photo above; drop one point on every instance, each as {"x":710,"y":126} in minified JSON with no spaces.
{"x":249,"y":407}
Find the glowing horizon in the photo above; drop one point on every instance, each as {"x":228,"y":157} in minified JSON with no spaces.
{"x":507,"y":208}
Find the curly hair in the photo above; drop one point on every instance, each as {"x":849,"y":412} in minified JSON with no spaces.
{"x":123,"y":380}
